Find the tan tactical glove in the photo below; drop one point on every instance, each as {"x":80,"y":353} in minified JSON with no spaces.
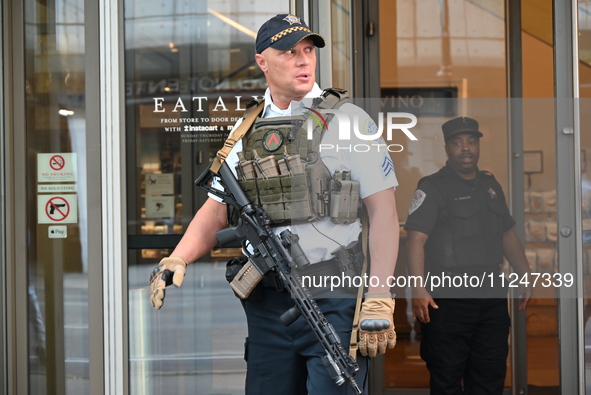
{"x":171,"y":270}
{"x":376,"y":324}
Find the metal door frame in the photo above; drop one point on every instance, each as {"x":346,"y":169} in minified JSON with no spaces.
{"x":5,"y":360}
{"x":3,"y":231}
{"x":14,"y":167}
{"x":14,"y":242}
{"x":113,"y":170}
{"x":514,"y":66}
{"x":568,"y":187}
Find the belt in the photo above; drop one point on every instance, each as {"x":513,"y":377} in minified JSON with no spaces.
{"x":320,"y":269}
{"x":324,"y":268}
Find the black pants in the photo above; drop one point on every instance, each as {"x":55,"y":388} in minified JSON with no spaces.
{"x":287,"y":360}
{"x":467,"y":339}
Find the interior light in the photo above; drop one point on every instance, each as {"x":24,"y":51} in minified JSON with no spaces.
{"x":65,"y":113}
{"x":232,"y":23}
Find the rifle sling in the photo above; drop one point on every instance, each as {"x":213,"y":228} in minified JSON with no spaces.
{"x":235,"y":137}
{"x":354,"y":346}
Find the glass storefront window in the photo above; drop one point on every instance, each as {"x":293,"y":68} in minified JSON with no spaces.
{"x":340,"y":44}
{"x":57,"y":197}
{"x":189,"y":71}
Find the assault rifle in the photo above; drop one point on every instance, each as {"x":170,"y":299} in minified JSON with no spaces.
{"x":270,"y":254}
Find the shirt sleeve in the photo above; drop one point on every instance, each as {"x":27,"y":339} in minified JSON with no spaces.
{"x":424,"y":209}
{"x":369,"y":159}
{"x":508,"y":221}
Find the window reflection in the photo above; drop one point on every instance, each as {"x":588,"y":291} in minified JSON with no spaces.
{"x":57,"y":197}
{"x":189,"y":71}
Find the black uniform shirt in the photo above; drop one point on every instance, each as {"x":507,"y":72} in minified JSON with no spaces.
{"x":428,"y":203}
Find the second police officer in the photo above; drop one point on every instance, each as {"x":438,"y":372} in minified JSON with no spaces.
{"x":458,"y":226}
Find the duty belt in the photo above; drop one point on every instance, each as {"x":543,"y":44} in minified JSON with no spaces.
{"x":329,"y":267}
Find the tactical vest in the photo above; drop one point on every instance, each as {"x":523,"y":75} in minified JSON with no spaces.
{"x":281,"y":170}
{"x":468,"y":235}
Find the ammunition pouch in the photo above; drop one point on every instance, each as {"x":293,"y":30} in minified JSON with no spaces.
{"x":344,"y":198}
{"x":233,"y":267}
{"x":283,"y":197}
{"x":280,"y":170}
{"x":297,"y":197}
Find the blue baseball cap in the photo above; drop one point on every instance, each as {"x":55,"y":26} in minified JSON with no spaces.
{"x":285,"y":31}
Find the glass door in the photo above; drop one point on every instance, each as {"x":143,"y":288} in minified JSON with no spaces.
{"x":55,"y":140}
{"x":432,"y":58}
{"x":189,"y":71}
{"x":442,"y":59}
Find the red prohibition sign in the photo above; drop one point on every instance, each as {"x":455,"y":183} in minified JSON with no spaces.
{"x":57,"y":162}
{"x":57,"y":209}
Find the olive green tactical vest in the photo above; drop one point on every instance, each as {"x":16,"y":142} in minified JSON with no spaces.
{"x":281,"y":170}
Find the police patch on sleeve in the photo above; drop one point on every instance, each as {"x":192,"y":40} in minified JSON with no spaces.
{"x":370,"y":127}
{"x":417,"y":199}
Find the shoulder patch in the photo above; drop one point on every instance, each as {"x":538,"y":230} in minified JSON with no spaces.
{"x":417,"y":199}
{"x":370,"y":128}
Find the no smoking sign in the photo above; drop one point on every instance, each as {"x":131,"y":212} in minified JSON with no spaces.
{"x":57,"y":209}
{"x":57,"y":162}
{"x":58,"y":167}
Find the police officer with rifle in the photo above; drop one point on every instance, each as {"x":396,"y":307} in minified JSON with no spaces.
{"x":295,"y":206}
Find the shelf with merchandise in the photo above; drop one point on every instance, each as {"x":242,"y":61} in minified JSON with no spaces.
{"x":541,"y":230}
